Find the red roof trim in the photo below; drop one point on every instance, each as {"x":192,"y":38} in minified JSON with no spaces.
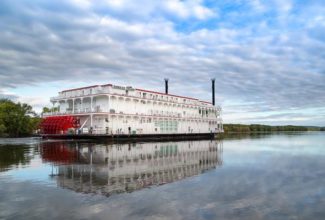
{"x":206,"y":102}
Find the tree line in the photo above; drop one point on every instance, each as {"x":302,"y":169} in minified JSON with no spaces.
{"x":17,"y":119}
{"x":254,"y":128}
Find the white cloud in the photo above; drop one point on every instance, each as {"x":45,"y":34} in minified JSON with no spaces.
{"x":38,"y":102}
{"x":116,"y":3}
{"x":186,"y":9}
{"x":84,"y":4}
{"x":260,"y":64}
{"x":284,"y":6}
{"x":6,"y":94}
{"x":258,"y":5}
{"x":148,"y":8}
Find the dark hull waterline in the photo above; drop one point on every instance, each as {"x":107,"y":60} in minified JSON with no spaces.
{"x":132,"y":137}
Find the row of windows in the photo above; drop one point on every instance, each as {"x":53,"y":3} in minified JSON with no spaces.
{"x":158,"y":122}
{"x":200,"y":109}
{"x":167,"y":125}
{"x":163,"y":97}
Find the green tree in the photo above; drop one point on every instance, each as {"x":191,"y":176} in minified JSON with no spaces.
{"x":17,"y":119}
{"x":47,"y":110}
{"x":257,"y":128}
{"x":2,"y":129}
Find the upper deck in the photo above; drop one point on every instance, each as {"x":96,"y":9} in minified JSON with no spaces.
{"x":125,"y":101}
{"x":127,"y":91}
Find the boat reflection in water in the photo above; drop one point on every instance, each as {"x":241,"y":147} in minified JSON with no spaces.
{"x":115,"y":168}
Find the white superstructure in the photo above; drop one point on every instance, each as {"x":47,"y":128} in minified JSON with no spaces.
{"x":112,"y":109}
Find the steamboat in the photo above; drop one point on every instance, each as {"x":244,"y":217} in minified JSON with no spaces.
{"x":112,"y":111}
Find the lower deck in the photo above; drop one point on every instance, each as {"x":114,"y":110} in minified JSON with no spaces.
{"x":125,"y":125}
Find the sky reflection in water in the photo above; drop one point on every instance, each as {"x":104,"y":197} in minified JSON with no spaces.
{"x":270,"y":177}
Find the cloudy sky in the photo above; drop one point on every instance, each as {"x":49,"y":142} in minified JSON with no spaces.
{"x":268,"y":57}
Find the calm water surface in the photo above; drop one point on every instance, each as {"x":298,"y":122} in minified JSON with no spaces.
{"x":278,"y":176}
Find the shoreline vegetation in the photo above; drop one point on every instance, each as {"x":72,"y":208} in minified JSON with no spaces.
{"x":19,"y":120}
{"x":258,"y":128}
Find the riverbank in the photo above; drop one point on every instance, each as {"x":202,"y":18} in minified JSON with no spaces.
{"x":254,"y":128}
{"x":243,"y":135}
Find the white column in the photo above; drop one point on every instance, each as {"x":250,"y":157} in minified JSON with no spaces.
{"x":108,"y":104}
{"x":72,"y":105}
{"x":81,"y":104}
{"x":91,"y":104}
{"x":65,"y":106}
{"x":107,"y":123}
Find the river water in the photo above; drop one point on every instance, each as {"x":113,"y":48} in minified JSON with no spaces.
{"x":278,"y":176}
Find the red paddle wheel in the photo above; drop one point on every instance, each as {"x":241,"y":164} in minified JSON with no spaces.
{"x":58,"y":124}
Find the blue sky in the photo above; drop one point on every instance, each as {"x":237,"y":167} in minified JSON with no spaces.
{"x":267,"y":56}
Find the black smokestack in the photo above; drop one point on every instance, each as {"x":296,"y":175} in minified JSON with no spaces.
{"x":213,"y":88}
{"x":166,"y":85}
